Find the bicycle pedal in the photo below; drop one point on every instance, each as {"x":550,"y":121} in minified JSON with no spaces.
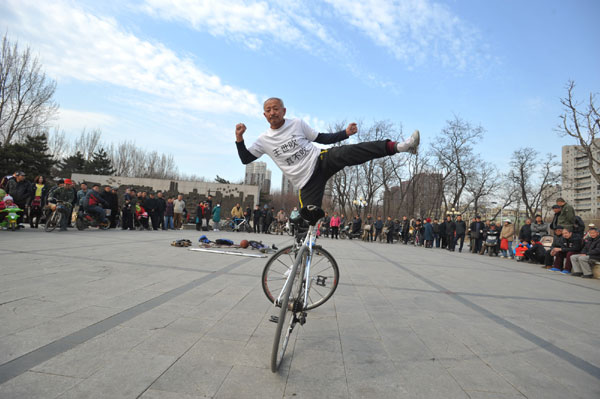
{"x":274,"y":319}
{"x":321,"y":280}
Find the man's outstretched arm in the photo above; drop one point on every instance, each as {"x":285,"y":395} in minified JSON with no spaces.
{"x":245,"y":156}
{"x":331,"y":138}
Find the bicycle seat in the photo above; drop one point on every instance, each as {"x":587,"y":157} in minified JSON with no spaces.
{"x":312,"y":214}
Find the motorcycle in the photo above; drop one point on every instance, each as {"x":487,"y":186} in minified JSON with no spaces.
{"x":491,"y":245}
{"x":346,"y":232}
{"x":10,"y":220}
{"x":85,"y":220}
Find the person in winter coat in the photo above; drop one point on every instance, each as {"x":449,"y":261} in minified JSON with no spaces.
{"x":436,"y":232}
{"x":536,"y":252}
{"x":257,"y":215}
{"x":428,"y":235}
{"x":590,"y":253}
{"x":557,"y":243}
{"x":199,"y":215}
{"x":539,"y":227}
{"x":450,"y":233}
{"x":508,"y":233}
{"x":566,"y":217}
{"x":461,"y":229}
{"x":571,"y":245}
{"x":378,"y":229}
{"x":404,"y":229}
{"x":160,"y":210}
{"x":443,"y":235}
{"x":208,"y":207}
{"x":216,"y":217}
{"x":476,"y":228}
{"x":40,"y":194}
{"x":388,"y":229}
{"x":20,"y":190}
{"x":525,"y":232}
{"x":334,"y":223}
{"x":169,"y":225}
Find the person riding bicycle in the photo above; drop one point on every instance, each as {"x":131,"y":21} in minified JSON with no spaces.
{"x":92,"y":203}
{"x":64,"y":193}
{"x":289,"y":143}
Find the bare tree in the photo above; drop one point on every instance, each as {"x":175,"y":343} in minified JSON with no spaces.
{"x":483,"y":182}
{"x":454,"y":156}
{"x":536,"y":178}
{"x":58,"y":146}
{"x":88,"y":142}
{"x":26,"y":104}
{"x":583,"y":124}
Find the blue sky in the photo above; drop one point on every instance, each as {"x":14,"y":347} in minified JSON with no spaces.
{"x":177,"y":75}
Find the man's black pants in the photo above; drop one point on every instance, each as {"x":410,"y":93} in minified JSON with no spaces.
{"x":333,"y":160}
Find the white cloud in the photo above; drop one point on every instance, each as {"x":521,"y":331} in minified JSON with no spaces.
{"x":414,"y":30}
{"x":74,"y":44}
{"x":71,"y":119}
{"x":256,"y":24}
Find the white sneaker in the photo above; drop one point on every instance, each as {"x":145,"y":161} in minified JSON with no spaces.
{"x":411,"y":145}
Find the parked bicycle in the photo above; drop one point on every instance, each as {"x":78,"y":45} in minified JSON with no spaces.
{"x":236,"y":225}
{"x":296,"y":279}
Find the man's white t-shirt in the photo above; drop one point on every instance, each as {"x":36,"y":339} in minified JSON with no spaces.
{"x":291,"y":148}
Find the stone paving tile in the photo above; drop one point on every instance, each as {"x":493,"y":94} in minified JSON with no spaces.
{"x":316,"y":374}
{"x":404,"y":322}
{"x":33,"y":385}
{"x":156,"y":394}
{"x":251,"y":382}
{"x":126,"y":376}
{"x":202,"y":369}
{"x":88,"y":358}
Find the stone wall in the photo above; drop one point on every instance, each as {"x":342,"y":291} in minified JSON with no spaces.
{"x":225,"y":194}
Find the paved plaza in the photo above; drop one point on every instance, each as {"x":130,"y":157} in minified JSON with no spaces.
{"x":122,"y":314}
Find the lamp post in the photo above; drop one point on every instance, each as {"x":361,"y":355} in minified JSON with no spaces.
{"x":360,"y":203}
{"x":453,"y":213}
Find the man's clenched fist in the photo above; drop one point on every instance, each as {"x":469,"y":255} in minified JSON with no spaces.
{"x":240,"y":128}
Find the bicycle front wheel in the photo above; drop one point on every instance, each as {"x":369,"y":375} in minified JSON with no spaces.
{"x":324,"y":275}
{"x":51,"y":221}
{"x":287,"y":320}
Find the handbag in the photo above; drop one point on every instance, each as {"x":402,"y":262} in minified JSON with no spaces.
{"x":504,"y":244}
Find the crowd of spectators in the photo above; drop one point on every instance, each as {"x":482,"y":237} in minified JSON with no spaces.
{"x":562,"y":245}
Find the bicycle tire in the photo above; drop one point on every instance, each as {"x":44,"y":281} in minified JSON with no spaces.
{"x":286,"y":315}
{"x":51,"y":222}
{"x":272,"y":228}
{"x":273,"y":280}
{"x":227,"y":226}
{"x":80,"y":224}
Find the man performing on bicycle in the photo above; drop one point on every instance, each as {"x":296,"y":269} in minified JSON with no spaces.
{"x":289,"y":143}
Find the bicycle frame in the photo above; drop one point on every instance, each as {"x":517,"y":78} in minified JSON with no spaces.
{"x":308,"y":242}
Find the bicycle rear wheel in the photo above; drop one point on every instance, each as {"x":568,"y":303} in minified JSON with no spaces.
{"x":324,"y":275}
{"x":287,"y":319}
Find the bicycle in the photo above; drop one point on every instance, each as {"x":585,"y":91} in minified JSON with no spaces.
{"x":236,"y":225}
{"x":298,"y":278}
{"x":54,"y":218}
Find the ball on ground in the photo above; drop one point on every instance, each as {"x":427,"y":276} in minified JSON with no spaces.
{"x":244,"y":243}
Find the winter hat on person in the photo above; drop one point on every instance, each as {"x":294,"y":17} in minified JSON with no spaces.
{"x":68,"y":181}
{"x":507,"y":221}
{"x":8,"y":198}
